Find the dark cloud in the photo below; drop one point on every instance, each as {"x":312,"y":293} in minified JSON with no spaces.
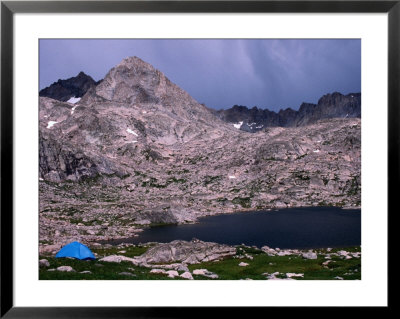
{"x":270,"y":74}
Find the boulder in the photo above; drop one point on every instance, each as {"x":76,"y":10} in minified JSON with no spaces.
{"x":269,"y":251}
{"x":187,"y":275}
{"x":188,"y":252}
{"x":309,"y":255}
{"x":157,"y":271}
{"x":117,"y":259}
{"x":182,"y":268}
{"x":44,"y":263}
{"x":200,"y":272}
{"x":205,"y":272}
{"x":291,"y":274}
{"x":172,"y":273}
{"x":65,"y":268}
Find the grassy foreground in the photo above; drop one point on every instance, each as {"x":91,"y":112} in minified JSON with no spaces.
{"x":259,"y":263}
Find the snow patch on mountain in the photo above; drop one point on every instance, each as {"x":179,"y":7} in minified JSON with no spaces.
{"x":50,"y":124}
{"x":238,"y":125}
{"x":131,"y":132}
{"x":73,"y":109}
{"x":74,"y":100}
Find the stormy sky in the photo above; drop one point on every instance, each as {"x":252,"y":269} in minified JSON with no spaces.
{"x":273,"y":74}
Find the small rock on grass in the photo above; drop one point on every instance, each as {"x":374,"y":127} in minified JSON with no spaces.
{"x":157,"y":271}
{"x":291,"y":274}
{"x":205,"y":272}
{"x":172,"y":273}
{"x":182,"y":268}
{"x":65,"y":268}
{"x":187,"y":275}
{"x":44,"y":263}
{"x":200,"y":272}
{"x":242,"y":264}
{"x":310,"y":255}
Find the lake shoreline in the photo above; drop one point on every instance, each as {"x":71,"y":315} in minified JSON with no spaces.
{"x":139,"y":229}
{"x":283,"y":217}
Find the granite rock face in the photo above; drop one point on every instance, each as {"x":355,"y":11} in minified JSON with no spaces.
{"x":137,"y":150}
{"x":186,"y":252}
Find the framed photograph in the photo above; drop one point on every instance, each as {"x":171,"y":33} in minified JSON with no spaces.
{"x":162,"y":155}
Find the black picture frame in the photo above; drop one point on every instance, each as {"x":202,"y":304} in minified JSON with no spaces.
{"x":9,"y":8}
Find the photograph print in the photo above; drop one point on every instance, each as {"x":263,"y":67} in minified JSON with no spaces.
{"x":199,"y":159}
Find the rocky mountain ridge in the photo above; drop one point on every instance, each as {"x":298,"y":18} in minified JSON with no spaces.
{"x":137,"y":150}
{"x":75,"y":87}
{"x":335,"y":105}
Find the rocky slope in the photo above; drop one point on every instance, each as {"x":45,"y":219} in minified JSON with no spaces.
{"x":64,"y":90}
{"x":137,"y":150}
{"x":333,"y":105}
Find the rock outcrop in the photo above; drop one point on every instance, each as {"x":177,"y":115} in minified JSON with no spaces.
{"x":186,"y":252}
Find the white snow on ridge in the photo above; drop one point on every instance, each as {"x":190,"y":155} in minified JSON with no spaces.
{"x":73,"y":109}
{"x":51,"y":123}
{"x":74,"y":100}
{"x":238,"y":125}
{"x":231,"y":176}
{"x":131,"y":132}
{"x":316,"y":151}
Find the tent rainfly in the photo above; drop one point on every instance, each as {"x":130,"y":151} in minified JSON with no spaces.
{"x":76,"y":250}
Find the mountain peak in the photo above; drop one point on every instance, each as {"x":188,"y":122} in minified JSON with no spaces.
{"x":133,"y":60}
{"x":134,"y":81}
{"x":83,"y":74}
{"x":134,"y":64}
{"x":63,"y":90}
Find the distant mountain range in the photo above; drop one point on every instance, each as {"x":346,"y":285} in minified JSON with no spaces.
{"x":335,"y":105}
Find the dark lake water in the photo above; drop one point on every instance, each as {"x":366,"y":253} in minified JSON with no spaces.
{"x":306,"y":227}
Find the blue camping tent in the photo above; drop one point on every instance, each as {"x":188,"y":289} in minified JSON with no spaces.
{"x":76,"y":250}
